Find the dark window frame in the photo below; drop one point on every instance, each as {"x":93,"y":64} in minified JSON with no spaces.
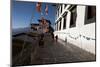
{"x":89,"y":18}
{"x":60,"y":24}
{"x":58,"y":12}
{"x":61,"y":8}
{"x":65,"y":5}
{"x":73,"y":16}
{"x":65,"y":19}
{"x":56,"y":24}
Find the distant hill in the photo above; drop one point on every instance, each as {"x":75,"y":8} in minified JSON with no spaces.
{"x":20,"y":30}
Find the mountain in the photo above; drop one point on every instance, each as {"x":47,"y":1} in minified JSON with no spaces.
{"x":20,"y":30}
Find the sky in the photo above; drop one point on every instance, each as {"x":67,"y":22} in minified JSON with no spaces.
{"x":22,"y":12}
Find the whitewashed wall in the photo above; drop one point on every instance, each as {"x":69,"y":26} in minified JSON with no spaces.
{"x":80,"y":32}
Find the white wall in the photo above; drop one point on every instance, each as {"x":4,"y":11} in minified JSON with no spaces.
{"x":81,"y":31}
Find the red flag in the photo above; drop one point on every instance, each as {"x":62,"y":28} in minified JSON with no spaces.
{"x":46,"y":9}
{"x":38,"y":7}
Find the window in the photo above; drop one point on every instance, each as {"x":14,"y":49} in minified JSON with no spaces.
{"x":64,"y":24}
{"x":58,"y":12}
{"x":56,"y":26}
{"x":56,"y":15}
{"x":65,"y":5}
{"x":91,"y":14}
{"x":61,"y":9}
{"x":73,"y":16}
{"x":60,"y":25}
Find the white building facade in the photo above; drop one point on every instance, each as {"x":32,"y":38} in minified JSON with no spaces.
{"x":76,"y":25}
